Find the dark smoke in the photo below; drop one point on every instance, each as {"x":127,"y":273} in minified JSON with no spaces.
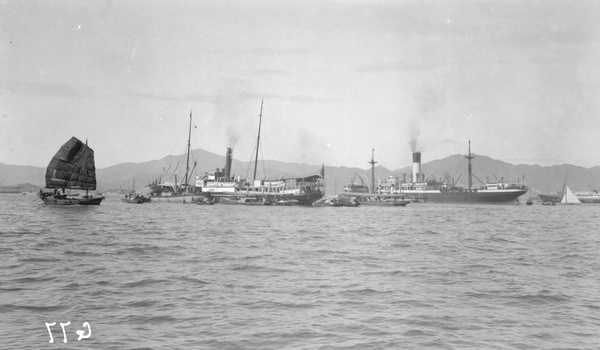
{"x":413,"y":137}
{"x":429,"y":102}
{"x":233,"y":136}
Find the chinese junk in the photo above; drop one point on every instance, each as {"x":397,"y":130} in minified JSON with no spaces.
{"x":437,"y":191}
{"x":72,"y":167}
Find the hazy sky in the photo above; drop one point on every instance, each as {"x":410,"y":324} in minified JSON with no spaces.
{"x":520,"y":79}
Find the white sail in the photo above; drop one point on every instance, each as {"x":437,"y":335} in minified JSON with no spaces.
{"x":569,"y":197}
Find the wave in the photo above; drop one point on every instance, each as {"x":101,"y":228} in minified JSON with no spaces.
{"x":144,"y":282}
{"x":192,"y":280}
{"x":36,"y":309}
{"x":80,"y":253}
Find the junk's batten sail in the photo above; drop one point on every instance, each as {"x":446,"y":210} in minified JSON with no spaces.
{"x":72,"y":167}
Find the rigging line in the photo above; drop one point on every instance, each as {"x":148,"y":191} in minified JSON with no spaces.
{"x":263,"y":163}
{"x":35,"y":200}
{"x":250,"y":163}
{"x":264,"y":158}
{"x":178,"y":138}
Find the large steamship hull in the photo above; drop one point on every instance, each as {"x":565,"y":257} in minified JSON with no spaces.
{"x":301,"y":198}
{"x":500,"y":196}
{"x":307,"y":198}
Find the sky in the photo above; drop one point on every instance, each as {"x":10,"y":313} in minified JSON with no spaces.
{"x":337,"y":79}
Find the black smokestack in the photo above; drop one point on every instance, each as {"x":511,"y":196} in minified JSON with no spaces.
{"x":416,"y":166}
{"x":228,"y":159}
{"x":417,"y":157}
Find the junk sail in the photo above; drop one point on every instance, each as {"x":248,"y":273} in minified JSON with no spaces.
{"x":72,"y":167}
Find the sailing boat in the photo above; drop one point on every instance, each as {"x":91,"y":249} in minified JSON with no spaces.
{"x":569,"y":197}
{"x":72,"y":167}
{"x":134,"y":197}
{"x":183,"y":192}
{"x":530,"y":199}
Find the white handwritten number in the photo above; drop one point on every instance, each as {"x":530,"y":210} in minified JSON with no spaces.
{"x":63,"y":328}
{"x":81,"y":333}
{"x":49,"y":331}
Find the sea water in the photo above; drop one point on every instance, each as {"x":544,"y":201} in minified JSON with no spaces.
{"x":183,"y":276}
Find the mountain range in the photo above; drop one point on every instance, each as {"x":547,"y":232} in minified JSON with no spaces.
{"x":453,"y":168}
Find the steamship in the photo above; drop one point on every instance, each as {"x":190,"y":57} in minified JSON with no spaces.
{"x":224,"y":187}
{"x":302,"y":190}
{"x":436,"y":191}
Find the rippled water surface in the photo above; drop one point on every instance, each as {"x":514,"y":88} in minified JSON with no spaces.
{"x":175,"y":276}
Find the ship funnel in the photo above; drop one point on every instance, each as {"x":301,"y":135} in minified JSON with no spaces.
{"x":228,"y":159}
{"x":416,"y":166}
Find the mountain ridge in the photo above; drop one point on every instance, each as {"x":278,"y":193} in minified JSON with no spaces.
{"x":453,"y":168}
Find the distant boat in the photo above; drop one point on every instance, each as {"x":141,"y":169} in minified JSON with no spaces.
{"x":285,"y":201}
{"x":134,"y":197}
{"x":133,"y":200}
{"x":206,"y":201}
{"x":177,"y":192}
{"x":569,"y":197}
{"x":247,"y":200}
{"x":344,"y":201}
{"x":588,"y":197}
{"x":336,"y":201}
{"x":530,"y":199}
{"x":71,"y":168}
{"x":356,"y":188}
{"x":383,"y":200}
{"x":549,"y":197}
{"x":554,"y":197}
{"x":387,"y":193}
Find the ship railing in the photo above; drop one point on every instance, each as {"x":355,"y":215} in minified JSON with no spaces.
{"x":297,"y":187}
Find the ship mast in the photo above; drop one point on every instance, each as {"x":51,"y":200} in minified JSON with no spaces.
{"x":86,"y":190}
{"x":469,"y":170}
{"x":187,"y":170}
{"x":373,"y":162}
{"x":257,"y":142}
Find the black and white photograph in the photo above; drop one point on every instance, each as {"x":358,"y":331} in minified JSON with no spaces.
{"x":275,"y":174}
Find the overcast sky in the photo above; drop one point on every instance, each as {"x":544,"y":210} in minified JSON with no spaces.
{"x":520,"y":79}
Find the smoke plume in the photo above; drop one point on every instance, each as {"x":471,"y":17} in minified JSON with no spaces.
{"x":429,"y":102}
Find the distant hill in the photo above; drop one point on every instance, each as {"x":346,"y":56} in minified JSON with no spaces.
{"x":11,"y":175}
{"x":121,"y":176}
{"x":19,"y":188}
